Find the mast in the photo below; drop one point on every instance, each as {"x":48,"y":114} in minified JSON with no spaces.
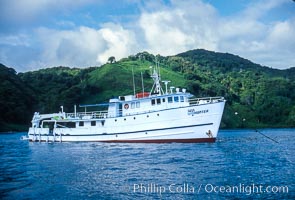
{"x":142,"y":83}
{"x":133,"y":81}
{"x":156,"y":89}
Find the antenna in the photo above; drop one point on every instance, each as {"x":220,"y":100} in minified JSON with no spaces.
{"x":171,"y":89}
{"x":159,"y":70}
{"x":142,"y":83}
{"x":133,"y":81}
{"x":166,"y":85}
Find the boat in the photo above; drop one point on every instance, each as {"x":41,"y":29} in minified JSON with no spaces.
{"x":158,"y":116}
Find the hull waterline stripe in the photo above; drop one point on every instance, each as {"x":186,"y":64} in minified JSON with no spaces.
{"x":150,"y":130}
{"x":191,"y":140}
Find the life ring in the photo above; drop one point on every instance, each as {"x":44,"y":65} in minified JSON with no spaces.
{"x":126,"y":106}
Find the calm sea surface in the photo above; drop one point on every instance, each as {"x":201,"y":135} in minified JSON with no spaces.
{"x":242,"y":164}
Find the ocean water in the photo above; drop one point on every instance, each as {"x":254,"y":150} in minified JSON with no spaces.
{"x":242,"y":164}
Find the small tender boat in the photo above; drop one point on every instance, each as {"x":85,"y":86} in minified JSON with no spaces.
{"x":154,"y":117}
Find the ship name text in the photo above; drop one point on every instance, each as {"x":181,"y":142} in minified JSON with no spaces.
{"x":196,"y":112}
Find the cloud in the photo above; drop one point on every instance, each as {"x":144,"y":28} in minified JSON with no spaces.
{"x":21,"y":14}
{"x":249,"y":35}
{"x":120,"y":42}
{"x":179,"y":27}
{"x":278,"y":47}
{"x":79,"y":47}
{"x":85,"y":46}
{"x":76,"y":47}
{"x":27,"y":9}
{"x":258,"y":9}
{"x":182,"y":26}
{"x":14,"y":40}
{"x":160,"y":28}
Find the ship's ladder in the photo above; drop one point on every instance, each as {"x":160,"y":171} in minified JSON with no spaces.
{"x":34,"y":136}
{"x":37,"y":135}
{"x":57,"y":134}
{"x":39,"y":130}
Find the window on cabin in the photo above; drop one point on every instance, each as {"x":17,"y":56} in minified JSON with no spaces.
{"x":122,"y":98}
{"x":163,"y":100}
{"x":153,"y":102}
{"x":137,"y":104}
{"x":93,"y":123}
{"x":181,"y":99}
{"x":71,"y":124}
{"x":81,"y":123}
{"x":170,"y":100}
{"x":132,"y":105}
{"x":176,"y":99}
{"x":67,"y":124}
{"x":158,"y":101}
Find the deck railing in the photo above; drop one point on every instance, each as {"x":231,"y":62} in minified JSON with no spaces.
{"x":205,"y":100}
{"x":89,"y":115}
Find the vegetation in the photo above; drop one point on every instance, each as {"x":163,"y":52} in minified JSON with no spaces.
{"x":112,"y":59}
{"x":256,"y":96}
{"x":15,"y":101}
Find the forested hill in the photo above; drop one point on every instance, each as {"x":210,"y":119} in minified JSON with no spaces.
{"x":256,"y":96}
{"x":226,"y":62}
{"x":16,"y":100}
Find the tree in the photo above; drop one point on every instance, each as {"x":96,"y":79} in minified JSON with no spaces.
{"x":112,"y":59}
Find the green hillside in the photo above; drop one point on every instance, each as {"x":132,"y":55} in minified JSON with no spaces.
{"x":15,"y":101}
{"x":262,"y":96}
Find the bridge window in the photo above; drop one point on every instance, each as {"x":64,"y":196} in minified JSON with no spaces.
{"x":176,"y":99}
{"x":181,"y":99}
{"x":170,"y":100}
{"x":81,"y":123}
{"x":132,"y":105}
{"x":93,"y":123}
{"x":158,"y":101}
{"x":153,"y":102}
{"x":137,"y":104}
{"x":163,"y":100}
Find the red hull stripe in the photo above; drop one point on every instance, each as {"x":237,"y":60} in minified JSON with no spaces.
{"x":192,"y":140}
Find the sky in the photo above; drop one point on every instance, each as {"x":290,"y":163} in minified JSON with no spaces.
{"x":37,"y":34}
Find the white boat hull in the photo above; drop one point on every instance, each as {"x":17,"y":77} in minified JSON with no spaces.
{"x":198,"y":123}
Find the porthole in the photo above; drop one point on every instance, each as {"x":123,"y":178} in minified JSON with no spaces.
{"x":134,"y":118}
{"x":147,"y":116}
